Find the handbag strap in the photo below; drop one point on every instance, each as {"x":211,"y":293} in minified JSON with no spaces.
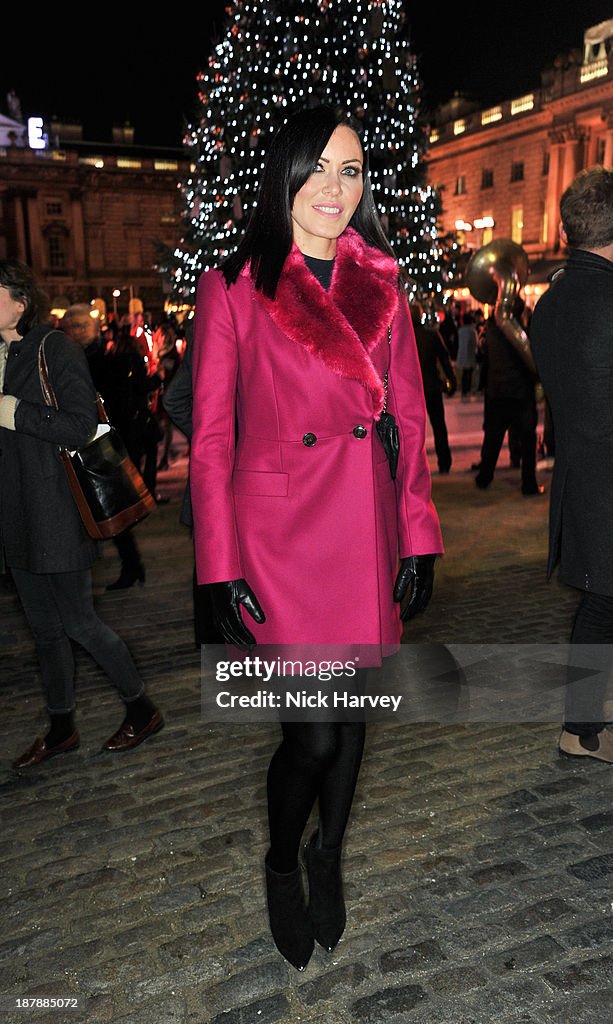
{"x":43,"y":375}
{"x":386,"y":375}
{"x":47,"y":388}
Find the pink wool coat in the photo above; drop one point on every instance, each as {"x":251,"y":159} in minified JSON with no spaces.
{"x":302,"y":504}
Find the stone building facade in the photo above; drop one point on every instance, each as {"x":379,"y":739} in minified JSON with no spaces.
{"x":502,"y":170}
{"x":87,"y":217}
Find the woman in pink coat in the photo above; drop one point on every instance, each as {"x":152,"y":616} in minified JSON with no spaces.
{"x":297,"y":519}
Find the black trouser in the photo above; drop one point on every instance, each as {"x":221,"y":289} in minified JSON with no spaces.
{"x":59,"y":607}
{"x":502,"y":414}
{"x":466,"y":380}
{"x":589,"y":665}
{"x":128,"y":551}
{"x":436,"y":415}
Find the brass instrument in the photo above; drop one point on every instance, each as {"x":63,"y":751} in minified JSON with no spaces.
{"x":495,"y":274}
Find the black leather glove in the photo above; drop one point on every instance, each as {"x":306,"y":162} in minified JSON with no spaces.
{"x":226,"y":599}
{"x":415,"y":577}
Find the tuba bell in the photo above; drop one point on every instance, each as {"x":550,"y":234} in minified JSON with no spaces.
{"x":495,"y":274}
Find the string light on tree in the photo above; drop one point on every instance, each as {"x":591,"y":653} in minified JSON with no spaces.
{"x":276,"y":56}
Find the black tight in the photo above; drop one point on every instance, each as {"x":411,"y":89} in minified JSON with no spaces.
{"x":315,"y":761}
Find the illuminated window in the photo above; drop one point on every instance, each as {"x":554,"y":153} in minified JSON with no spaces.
{"x":493,"y":114}
{"x":522,"y":104}
{"x":517,"y":223}
{"x":487,"y":177}
{"x":165,"y":165}
{"x":125,"y":163}
{"x":459,"y":126}
{"x":92,"y":161}
{"x":517,"y":170}
{"x":595,"y":69}
{"x":434,"y":135}
{"x":460,"y":185}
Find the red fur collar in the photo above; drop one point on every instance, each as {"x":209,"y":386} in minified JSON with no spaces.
{"x":343,"y":326}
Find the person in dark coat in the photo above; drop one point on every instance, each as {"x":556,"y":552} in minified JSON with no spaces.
{"x":510,"y":404}
{"x":572,"y":340}
{"x":41,"y":535}
{"x":79,"y":325}
{"x":437,"y":373}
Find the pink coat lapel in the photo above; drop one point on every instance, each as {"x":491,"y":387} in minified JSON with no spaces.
{"x":343,"y":326}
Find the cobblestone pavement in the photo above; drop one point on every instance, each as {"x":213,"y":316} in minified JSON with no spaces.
{"x":478,"y":861}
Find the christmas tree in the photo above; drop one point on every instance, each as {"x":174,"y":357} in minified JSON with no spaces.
{"x":274,"y":58}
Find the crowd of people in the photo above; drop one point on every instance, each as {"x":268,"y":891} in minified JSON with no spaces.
{"x":304,"y":394}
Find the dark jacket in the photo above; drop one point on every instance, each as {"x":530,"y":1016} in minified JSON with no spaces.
{"x":506,"y":373}
{"x":433,"y":353}
{"x":40,"y":528}
{"x":572,"y":339}
{"x":177,"y":401}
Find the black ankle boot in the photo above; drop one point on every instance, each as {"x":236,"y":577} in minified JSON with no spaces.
{"x":326,"y":901}
{"x":128,"y":576}
{"x":289,"y":920}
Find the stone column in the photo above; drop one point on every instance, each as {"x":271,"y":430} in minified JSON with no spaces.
{"x":552,"y":197}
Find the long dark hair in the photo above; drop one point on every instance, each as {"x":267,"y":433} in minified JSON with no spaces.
{"x":23,"y":287}
{"x":294,"y":152}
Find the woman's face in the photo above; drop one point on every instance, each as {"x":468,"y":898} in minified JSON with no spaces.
{"x":329,"y":197}
{"x":11,"y":311}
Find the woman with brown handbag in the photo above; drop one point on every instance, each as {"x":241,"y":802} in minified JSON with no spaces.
{"x":43,"y":541}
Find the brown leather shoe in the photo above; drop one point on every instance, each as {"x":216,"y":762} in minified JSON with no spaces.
{"x":39,"y":751}
{"x":601,"y":746}
{"x":125,"y":738}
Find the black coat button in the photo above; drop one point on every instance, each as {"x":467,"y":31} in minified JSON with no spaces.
{"x":359,"y":431}
{"x":309,"y":440}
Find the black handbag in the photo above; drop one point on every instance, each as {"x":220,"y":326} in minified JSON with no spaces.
{"x":387,"y":428}
{"x":108,"y":489}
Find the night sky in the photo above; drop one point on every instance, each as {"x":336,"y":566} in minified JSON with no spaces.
{"x":120,"y":68}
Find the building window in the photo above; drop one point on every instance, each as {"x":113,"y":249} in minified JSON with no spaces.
{"x":56,"y":252}
{"x":517,"y":223}
{"x":459,"y":126}
{"x":487,"y":177}
{"x":522,"y":104}
{"x":517,"y":170}
{"x":600,"y":150}
{"x":460,"y":185}
{"x":545,"y":169}
{"x":491,"y":115}
{"x":54,"y":207}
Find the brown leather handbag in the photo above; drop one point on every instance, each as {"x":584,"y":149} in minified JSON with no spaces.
{"x":108,"y":489}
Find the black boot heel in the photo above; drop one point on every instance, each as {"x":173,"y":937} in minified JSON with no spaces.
{"x":290,"y":924}
{"x":326,"y":901}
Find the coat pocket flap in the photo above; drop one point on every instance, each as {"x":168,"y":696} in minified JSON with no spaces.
{"x":252,"y":481}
